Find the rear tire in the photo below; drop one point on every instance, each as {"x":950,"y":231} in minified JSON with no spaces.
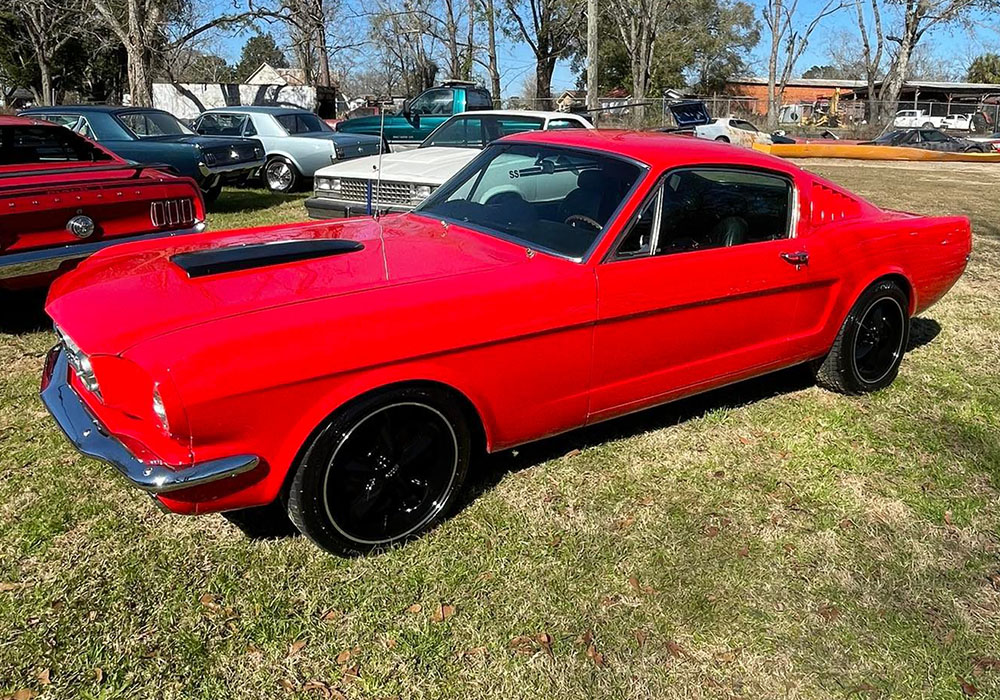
{"x":384,"y":469}
{"x":722,"y":139}
{"x":212,"y":193}
{"x":281,"y":175}
{"x":927,"y":125}
{"x":869,"y":348}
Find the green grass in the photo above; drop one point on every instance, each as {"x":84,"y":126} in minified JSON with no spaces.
{"x":768,"y":540}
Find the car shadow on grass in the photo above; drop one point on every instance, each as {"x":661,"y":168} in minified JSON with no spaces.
{"x":23,"y":312}
{"x":233,"y":201}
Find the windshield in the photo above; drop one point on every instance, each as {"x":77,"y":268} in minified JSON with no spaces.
{"x":554,"y":199}
{"x":147,"y":125}
{"x":890,"y":137}
{"x":45,"y":144}
{"x":477,"y":131}
{"x":302,"y":123}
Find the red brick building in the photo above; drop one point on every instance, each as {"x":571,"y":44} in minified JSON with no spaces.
{"x":797,"y":90}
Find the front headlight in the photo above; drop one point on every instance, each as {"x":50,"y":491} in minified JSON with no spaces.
{"x":159,"y":410}
{"x":80,"y":363}
{"x":418,"y":193}
{"x":328,"y":184}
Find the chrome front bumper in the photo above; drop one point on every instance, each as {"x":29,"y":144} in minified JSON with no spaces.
{"x":39,"y":260}
{"x":330,"y":208}
{"x":90,"y":437}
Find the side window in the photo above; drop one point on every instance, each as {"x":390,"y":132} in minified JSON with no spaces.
{"x":138,"y":124}
{"x":437,"y":101}
{"x":639,"y":238}
{"x":248,"y":128}
{"x":700,"y":209}
{"x":745,"y":126}
{"x":565,"y":124}
{"x":478,"y":99}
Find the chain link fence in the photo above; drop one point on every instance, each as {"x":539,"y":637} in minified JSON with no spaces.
{"x":851,"y":120}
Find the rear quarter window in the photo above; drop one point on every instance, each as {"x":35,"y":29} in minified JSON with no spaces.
{"x":45,"y":144}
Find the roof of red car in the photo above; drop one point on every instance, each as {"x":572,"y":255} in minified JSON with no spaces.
{"x":22,"y":121}
{"x":653,"y":148}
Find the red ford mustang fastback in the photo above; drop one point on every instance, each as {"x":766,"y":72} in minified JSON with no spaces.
{"x":351,"y":370}
{"x":63,"y":197}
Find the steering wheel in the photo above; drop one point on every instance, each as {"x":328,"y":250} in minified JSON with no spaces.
{"x":582,"y":219}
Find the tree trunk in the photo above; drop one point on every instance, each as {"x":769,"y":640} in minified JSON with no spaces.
{"x":451,"y":30}
{"x":544,"y":68}
{"x":140,"y":77}
{"x":772,"y":66}
{"x":470,"y":42}
{"x":45,"y":74}
{"x":492,"y":48}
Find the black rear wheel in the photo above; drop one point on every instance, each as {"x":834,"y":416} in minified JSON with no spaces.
{"x":869,"y":348}
{"x":385,"y":468}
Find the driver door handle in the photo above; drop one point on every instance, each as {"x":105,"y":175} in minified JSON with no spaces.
{"x":799,"y":257}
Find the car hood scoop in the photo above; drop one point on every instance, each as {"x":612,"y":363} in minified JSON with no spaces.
{"x":214,"y":261}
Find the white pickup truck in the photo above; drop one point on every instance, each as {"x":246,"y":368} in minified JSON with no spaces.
{"x":916,"y":119}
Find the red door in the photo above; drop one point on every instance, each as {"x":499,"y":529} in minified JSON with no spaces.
{"x":678,"y":322}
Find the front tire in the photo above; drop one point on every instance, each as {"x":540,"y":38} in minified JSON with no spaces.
{"x":385,"y":468}
{"x":869,"y":348}
{"x":281,"y":175}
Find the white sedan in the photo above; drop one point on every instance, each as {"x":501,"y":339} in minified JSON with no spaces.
{"x":732,"y":130}
{"x":355,"y":187}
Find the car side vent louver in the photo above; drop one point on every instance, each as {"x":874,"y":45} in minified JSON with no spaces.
{"x":830,"y":205}
{"x":215,"y":261}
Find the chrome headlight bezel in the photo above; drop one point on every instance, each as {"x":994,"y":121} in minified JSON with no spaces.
{"x":327,"y":184}
{"x":80,"y":363}
{"x":159,"y":410}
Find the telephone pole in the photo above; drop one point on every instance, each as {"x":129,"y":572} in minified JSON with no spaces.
{"x":592,"y":102}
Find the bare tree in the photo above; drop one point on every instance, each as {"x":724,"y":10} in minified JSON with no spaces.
{"x":551,"y":29}
{"x":787,"y":44}
{"x":638,"y":23}
{"x":49,"y":25}
{"x":492,"y":65}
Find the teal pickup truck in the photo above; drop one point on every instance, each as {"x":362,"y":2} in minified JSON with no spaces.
{"x":422,"y":114}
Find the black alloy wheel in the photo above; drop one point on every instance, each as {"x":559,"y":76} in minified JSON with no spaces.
{"x":384,"y":469}
{"x":869,"y":348}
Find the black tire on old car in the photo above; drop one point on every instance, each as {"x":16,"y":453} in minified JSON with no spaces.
{"x":281,"y":175}
{"x":866,"y":355}
{"x":383,"y":469}
{"x":211,"y":194}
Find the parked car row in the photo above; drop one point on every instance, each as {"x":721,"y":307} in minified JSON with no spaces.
{"x":284,"y":146}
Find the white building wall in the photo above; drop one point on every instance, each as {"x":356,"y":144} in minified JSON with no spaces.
{"x":188,"y":100}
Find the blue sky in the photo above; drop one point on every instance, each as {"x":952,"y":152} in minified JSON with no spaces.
{"x":952,"y":48}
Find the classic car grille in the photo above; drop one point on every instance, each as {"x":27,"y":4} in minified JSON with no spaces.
{"x":356,"y":190}
{"x":172,"y":212}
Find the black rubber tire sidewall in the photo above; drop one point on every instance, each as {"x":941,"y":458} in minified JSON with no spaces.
{"x":305,"y":501}
{"x":211,"y":194}
{"x":838,"y":371}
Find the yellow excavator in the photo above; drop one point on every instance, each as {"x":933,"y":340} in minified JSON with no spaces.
{"x":828,"y":115}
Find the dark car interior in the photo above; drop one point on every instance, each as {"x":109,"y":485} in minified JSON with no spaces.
{"x":587,"y":190}
{"x":45,"y":144}
{"x":711,"y":208}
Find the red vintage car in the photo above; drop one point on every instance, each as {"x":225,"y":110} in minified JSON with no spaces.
{"x":63,"y":197}
{"x":351,"y":370}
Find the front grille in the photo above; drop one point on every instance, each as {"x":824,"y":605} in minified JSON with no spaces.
{"x":356,"y":190}
{"x":172,"y":212}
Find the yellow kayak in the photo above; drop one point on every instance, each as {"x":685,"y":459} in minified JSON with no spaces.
{"x":833,"y":149}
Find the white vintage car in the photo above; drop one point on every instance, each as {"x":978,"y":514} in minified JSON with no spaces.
{"x":692,"y":116}
{"x":354,"y":188}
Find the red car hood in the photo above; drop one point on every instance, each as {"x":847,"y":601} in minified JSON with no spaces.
{"x":135,"y":291}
